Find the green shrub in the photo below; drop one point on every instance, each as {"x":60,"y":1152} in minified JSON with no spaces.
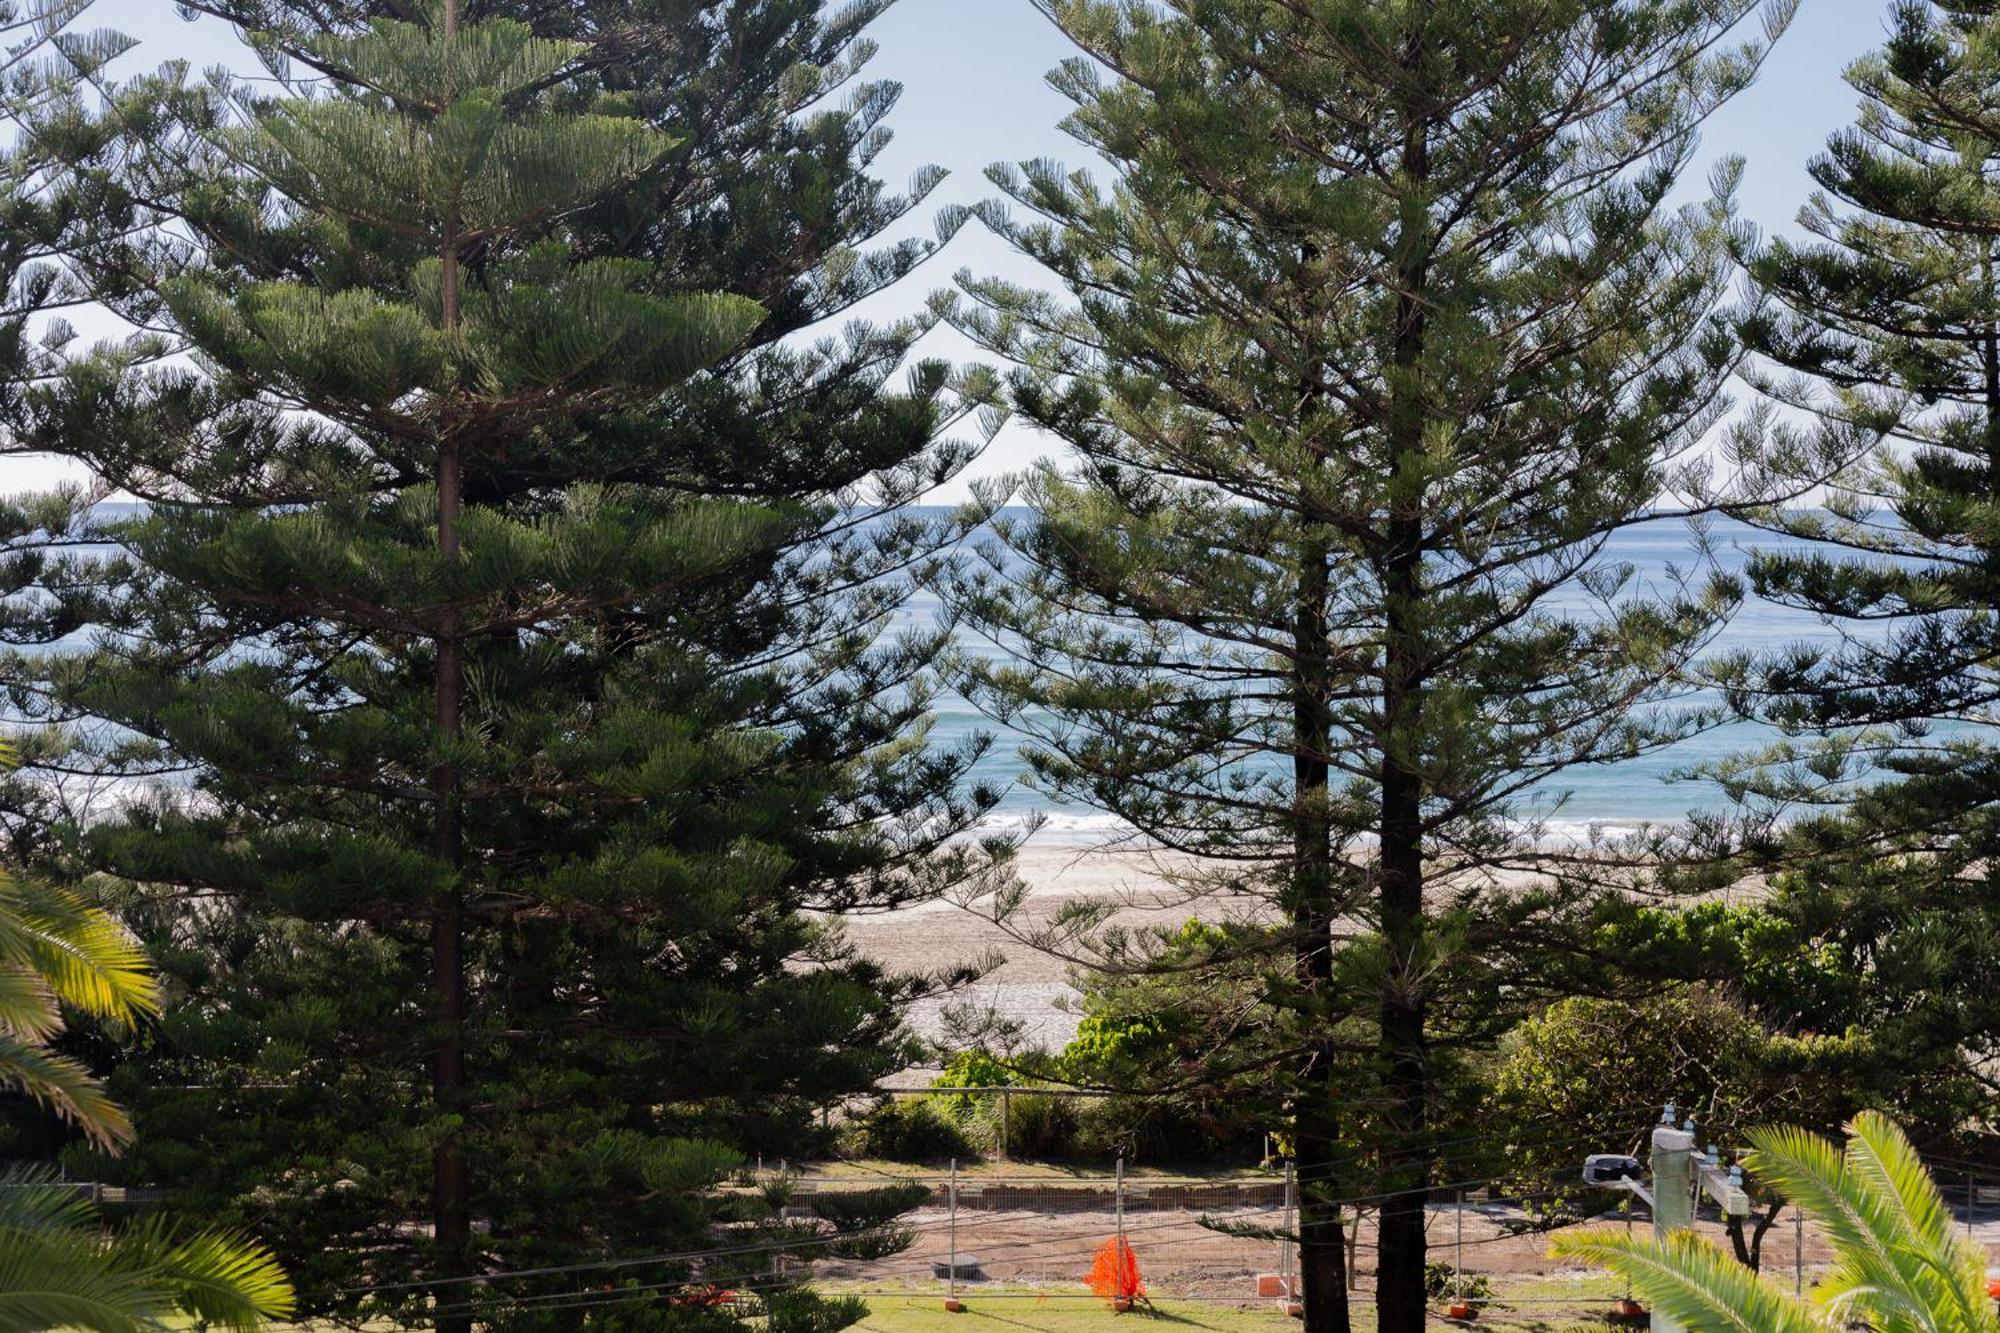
{"x":1038,"y":1125}
{"x":1156,"y":1129}
{"x":865,"y":1222}
{"x":1442,"y":1284}
{"x":917,"y":1130}
{"x":970,"y":1069}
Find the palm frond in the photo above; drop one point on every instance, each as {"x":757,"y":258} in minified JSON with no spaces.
{"x":60,"y":1269}
{"x":87,"y":959}
{"x":65,"y":1087}
{"x":1897,"y":1257}
{"x":1900,"y":1266}
{"x":33,"y":1199}
{"x":28,"y":1007}
{"x":1693,"y":1282}
{"x":69,"y":1279}
{"x":220,"y":1278}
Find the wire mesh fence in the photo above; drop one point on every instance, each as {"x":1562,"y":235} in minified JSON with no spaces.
{"x":1016,"y":1236}
{"x":1016,"y":1232}
{"x":1187,"y":1237}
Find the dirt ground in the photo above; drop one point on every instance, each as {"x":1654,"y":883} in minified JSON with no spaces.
{"x":1180,"y":1257}
{"x":1028,"y":1250}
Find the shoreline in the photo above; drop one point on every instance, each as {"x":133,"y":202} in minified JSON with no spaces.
{"x":1030,"y":987}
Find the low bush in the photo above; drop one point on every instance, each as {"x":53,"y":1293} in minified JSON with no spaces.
{"x":1164,"y":1130}
{"x":917,"y":1130}
{"x":1442,"y":1283}
{"x":1038,"y":1124}
{"x":866,"y":1223}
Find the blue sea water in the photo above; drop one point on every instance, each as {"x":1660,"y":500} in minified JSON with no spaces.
{"x":1596,"y":800}
{"x":1603,"y":799}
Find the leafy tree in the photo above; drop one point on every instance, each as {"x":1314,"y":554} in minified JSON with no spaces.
{"x":1811,"y":967}
{"x":508,"y":605}
{"x":1899,"y":1260}
{"x":1142,"y":1032}
{"x":1383,"y":326}
{"x":1601,"y":1069}
{"x":1879,"y":343}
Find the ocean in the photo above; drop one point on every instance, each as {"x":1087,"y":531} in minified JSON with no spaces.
{"x":1600,"y":800}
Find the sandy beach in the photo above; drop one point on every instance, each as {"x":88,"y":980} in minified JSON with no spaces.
{"x":1028,"y":984}
{"x":1031,"y":985}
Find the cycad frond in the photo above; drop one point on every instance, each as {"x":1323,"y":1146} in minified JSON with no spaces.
{"x":1690,"y":1280}
{"x":59,"y":1269}
{"x":64,"y":1087}
{"x":1898,"y":1267}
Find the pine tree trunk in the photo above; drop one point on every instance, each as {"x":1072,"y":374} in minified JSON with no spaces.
{"x":1400,"y":1297}
{"x":1322,"y":1254}
{"x":450,"y":1187}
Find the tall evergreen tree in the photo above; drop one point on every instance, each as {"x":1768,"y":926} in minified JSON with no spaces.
{"x":1879,"y":343}
{"x":509,"y":605}
{"x":1383,"y":326}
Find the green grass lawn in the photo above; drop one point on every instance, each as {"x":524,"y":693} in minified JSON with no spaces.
{"x":995,"y":1308}
{"x":1006,"y":1311}
{"x":1528,"y":1305}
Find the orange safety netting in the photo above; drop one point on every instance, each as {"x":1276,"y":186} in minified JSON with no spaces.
{"x":1115,"y":1274}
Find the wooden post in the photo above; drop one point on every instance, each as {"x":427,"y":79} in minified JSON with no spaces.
{"x":1288,"y":1247}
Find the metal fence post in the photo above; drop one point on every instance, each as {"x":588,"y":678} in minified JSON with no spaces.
{"x":1288,"y":1245}
{"x":953,"y":1189}
{"x":1458,"y":1262}
{"x":1120,"y":1190}
{"x":1006,"y":1119}
{"x":1799,"y":1251}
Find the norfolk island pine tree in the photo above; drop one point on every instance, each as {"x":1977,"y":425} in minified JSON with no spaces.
{"x":1879,"y":355}
{"x":1382,"y":328}
{"x":682,"y":731}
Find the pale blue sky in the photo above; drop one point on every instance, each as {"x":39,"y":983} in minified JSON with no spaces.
{"x":975,"y":93}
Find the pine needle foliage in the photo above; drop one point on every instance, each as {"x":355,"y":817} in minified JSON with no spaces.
{"x":1381,"y":325}
{"x":494,"y":683}
{"x":1879,"y":343}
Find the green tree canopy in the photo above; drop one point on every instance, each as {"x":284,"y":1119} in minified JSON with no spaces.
{"x":494,"y":681}
{"x":1878,"y":334}
{"x":1381,"y":326}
